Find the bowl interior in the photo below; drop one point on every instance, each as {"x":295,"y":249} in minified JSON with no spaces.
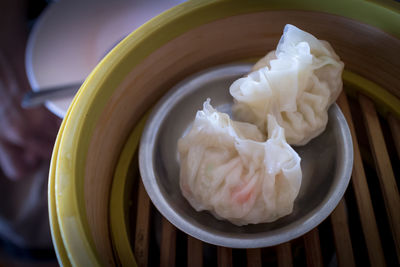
{"x":326,"y":165}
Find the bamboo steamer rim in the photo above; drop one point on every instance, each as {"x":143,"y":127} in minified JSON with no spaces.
{"x":60,"y":251}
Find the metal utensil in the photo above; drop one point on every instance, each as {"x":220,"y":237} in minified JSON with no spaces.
{"x":35,"y":98}
{"x":326,"y":163}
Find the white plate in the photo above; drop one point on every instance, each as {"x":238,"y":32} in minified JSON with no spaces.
{"x":71,"y":37}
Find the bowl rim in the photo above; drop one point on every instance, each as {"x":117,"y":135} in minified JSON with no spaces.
{"x":93,"y":95}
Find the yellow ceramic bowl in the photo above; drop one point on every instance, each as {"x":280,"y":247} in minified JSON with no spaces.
{"x":181,"y":41}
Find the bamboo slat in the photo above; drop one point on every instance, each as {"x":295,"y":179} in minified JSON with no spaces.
{"x":395,"y":129}
{"x":284,"y":255}
{"x":341,"y":235}
{"x":254,"y":257}
{"x":142,"y":226}
{"x":313,"y":248}
{"x":383,"y":166}
{"x":195,"y":252}
{"x":168,"y":244}
{"x":363,"y":197}
{"x":224,"y":257}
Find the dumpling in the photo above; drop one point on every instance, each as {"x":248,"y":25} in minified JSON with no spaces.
{"x":296,"y":84}
{"x":229,"y":169}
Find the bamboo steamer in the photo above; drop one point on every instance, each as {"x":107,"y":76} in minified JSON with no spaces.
{"x":186,"y":39}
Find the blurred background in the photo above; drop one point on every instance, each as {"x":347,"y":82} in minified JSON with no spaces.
{"x":46,"y":44}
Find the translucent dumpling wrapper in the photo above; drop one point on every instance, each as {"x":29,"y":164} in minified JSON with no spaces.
{"x":296,"y":84}
{"x":228,"y":169}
